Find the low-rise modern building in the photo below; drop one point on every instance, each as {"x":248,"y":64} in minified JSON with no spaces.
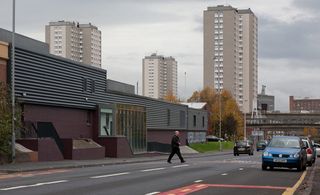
{"x":304,"y":105}
{"x":68,"y":111}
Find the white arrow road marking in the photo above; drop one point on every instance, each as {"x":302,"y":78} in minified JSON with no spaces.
{"x":155,"y":169}
{"x":110,"y":175}
{"x":33,"y":185}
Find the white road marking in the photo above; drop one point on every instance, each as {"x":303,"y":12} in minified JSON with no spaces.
{"x":224,"y":174}
{"x":152,"y":193}
{"x":240,"y":169}
{"x":198,"y":181}
{"x":110,"y":175}
{"x":33,"y":185}
{"x":178,"y":166}
{"x":155,"y":169}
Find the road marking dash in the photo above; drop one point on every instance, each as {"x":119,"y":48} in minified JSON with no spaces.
{"x":152,"y":193}
{"x":224,"y":174}
{"x":178,"y":166}
{"x":33,"y":185}
{"x":155,"y":169}
{"x":198,"y":181}
{"x":240,"y":169}
{"x":110,"y":175}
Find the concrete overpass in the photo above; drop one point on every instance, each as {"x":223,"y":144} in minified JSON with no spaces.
{"x":281,"y":123}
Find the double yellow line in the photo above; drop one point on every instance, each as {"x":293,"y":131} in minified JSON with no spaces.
{"x":291,"y":191}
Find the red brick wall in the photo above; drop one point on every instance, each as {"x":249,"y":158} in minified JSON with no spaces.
{"x":3,"y":71}
{"x":69,"y":123}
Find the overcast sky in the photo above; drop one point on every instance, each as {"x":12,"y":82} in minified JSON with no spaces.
{"x":289,"y":37}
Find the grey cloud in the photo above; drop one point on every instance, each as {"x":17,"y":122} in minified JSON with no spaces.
{"x":310,"y":5}
{"x":298,"y":40}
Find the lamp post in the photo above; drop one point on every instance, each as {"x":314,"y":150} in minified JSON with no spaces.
{"x":220,"y":117}
{"x":244,"y":121}
{"x":13,"y":135}
{"x":244,"y":125}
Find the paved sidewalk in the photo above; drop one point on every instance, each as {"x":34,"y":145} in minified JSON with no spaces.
{"x":36,"y":166}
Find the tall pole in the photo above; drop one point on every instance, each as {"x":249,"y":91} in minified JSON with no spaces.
{"x":244,"y":125}
{"x":13,"y":138}
{"x":220,"y":117}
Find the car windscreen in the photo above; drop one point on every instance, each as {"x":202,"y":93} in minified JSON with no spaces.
{"x":241,"y":143}
{"x":261,"y":143}
{"x":285,"y":143}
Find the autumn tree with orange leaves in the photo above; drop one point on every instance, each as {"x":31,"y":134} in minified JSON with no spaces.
{"x":170,"y":97}
{"x":231,"y":117}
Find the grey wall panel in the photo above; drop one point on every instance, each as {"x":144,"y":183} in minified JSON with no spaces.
{"x":200,"y":116}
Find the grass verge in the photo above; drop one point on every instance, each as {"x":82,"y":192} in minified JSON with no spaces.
{"x":211,"y":146}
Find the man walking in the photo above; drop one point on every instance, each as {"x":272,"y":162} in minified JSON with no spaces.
{"x":175,"y":143}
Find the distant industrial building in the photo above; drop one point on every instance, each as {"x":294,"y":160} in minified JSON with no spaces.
{"x":159,"y":76}
{"x":265,"y":103}
{"x":304,"y":105}
{"x":78,"y":42}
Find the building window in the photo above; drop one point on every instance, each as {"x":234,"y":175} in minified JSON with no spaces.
{"x":182,"y":118}
{"x":194,"y":120}
{"x":84,"y":84}
{"x":203,"y":124}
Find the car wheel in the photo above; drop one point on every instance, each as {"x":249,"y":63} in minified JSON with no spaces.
{"x":304,"y":167}
{"x":234,"y":154}
{"x":264,"y":167}
{"x":300,"y":166}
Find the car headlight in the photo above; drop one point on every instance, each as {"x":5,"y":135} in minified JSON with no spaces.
{"x":295,"y":155}
{"x":267,"y":154}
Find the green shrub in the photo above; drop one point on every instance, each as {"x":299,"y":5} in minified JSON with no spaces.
{"x":211,"y":146}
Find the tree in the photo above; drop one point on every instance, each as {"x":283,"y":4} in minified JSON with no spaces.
{"x":313,"y":132}
{"x":231,"y":117}
{"x":170,"y":97}
{"x":5,"y":124}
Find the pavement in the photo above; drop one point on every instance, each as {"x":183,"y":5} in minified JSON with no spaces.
{"x":310,"y":185}
{"x":147,"y":157}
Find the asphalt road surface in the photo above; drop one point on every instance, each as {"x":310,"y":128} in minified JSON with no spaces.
{"x":199,"y":175}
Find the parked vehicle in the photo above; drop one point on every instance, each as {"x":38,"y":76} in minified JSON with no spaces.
{"x":317,"y":146}
{"x":212,"y":138}
{"x":261,"y":145}
{"x":243,"y":147}
{"x":285,"y":151}
{"x":311,"y":153}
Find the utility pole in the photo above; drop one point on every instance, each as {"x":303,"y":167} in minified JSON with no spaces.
{"x":13,"y":135}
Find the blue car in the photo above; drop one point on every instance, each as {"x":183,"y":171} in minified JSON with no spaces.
{"x":285,"y":151}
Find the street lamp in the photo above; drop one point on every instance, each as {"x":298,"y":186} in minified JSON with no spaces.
{"x":13,"y":135}
{"x":220,"y":117}
{"x":244,"y":121}
{"x":219,"y":91}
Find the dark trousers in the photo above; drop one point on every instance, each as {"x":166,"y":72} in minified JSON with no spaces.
{"x":175,"y":150}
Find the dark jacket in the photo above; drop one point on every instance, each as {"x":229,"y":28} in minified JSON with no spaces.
{"x":175,"y":142}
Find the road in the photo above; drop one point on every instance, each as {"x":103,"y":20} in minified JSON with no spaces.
{"x":199,"y":175}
